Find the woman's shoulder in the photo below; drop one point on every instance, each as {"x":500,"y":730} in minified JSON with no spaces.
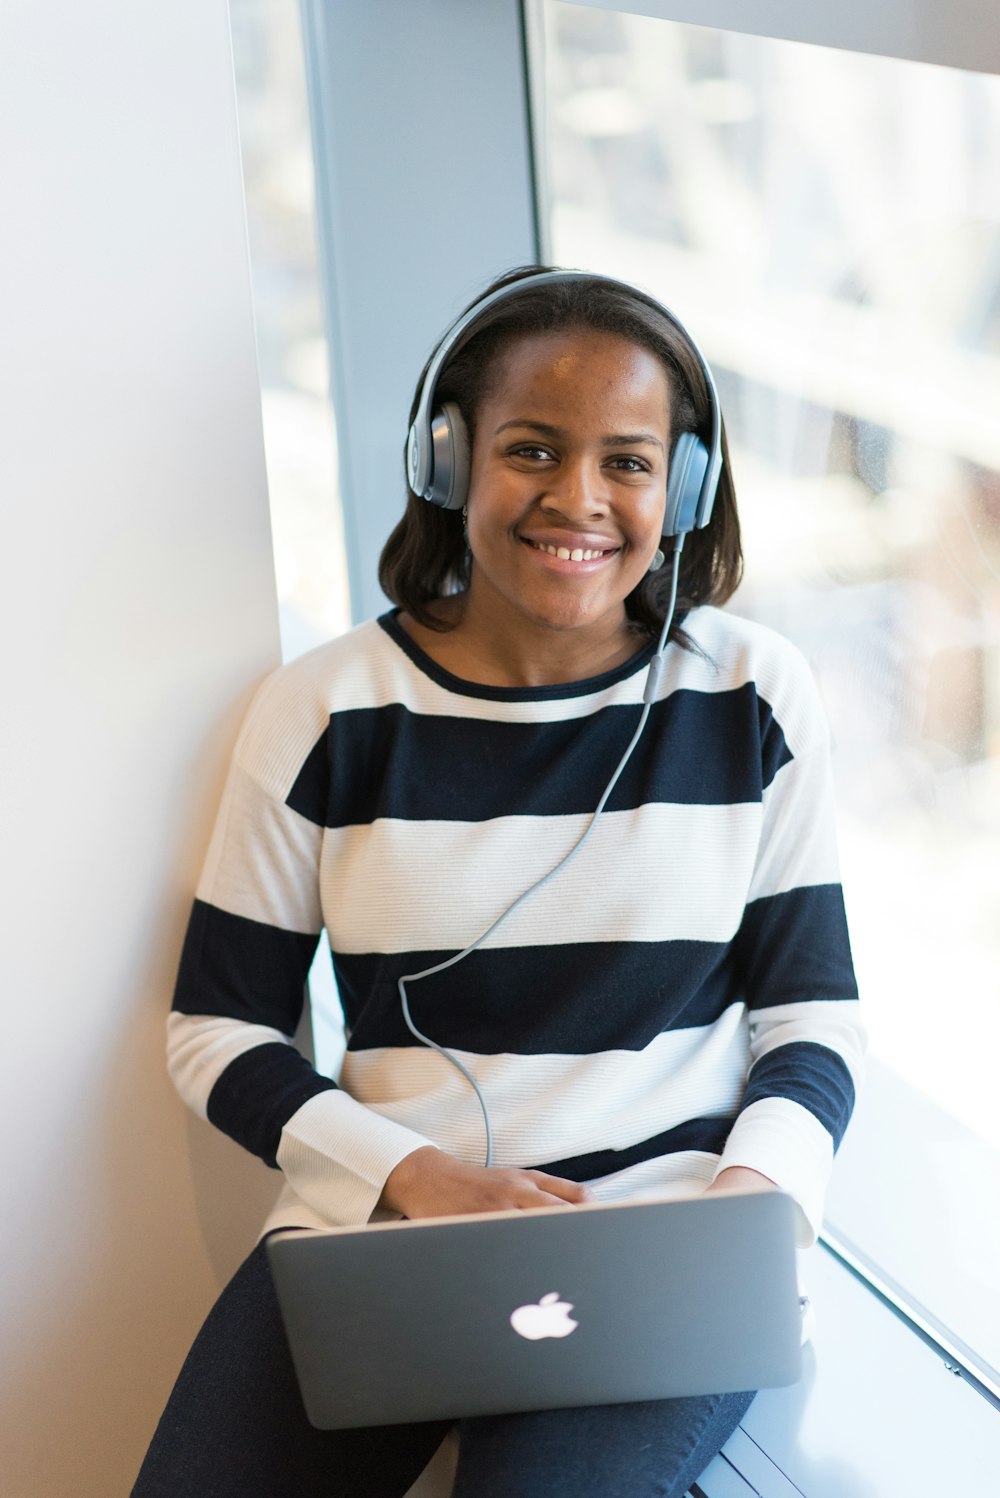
{"x":732,"y":639}
{"x":292,"y":707}
{"x":732,"y":652}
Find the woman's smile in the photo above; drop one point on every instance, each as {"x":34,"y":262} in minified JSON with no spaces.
{"x":567,"y":547}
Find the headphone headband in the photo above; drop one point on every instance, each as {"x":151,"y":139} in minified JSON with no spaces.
{"x":437,"y":449}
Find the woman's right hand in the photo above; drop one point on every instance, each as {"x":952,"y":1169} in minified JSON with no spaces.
{"x":431,"y":1183}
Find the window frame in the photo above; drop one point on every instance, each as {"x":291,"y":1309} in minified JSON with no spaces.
{"x":964,"y":34}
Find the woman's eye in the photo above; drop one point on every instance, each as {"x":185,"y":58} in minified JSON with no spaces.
{"x":626,"y":463}
{"x":533,"y":453}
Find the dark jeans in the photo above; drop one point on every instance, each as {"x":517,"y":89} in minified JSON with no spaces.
{"x":234,"y":1427}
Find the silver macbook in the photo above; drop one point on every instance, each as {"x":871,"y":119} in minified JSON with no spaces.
{"x":489,"y":1314}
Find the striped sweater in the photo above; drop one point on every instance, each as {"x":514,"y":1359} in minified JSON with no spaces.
{"x":680,"y":999}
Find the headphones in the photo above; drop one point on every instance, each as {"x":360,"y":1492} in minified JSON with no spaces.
{"x":438,"y":451}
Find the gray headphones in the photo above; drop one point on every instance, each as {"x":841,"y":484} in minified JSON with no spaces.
{"x":438,"y":450}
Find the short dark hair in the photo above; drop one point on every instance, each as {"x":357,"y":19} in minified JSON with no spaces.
{"x":426,"y":558}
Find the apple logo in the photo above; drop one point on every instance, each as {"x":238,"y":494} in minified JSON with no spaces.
{"x":549,"y":1318}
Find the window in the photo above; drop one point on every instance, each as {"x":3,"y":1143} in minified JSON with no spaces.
{"x":299,"y":436}
{"x":828,"y":224}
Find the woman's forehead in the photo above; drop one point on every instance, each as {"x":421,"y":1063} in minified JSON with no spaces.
{"x":580,"y":365}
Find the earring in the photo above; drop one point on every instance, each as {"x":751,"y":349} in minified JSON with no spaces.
{"x":465,"y":523}
{"x":656,"y":561}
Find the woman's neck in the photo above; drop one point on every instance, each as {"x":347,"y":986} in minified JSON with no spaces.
{"x":479,"y":649}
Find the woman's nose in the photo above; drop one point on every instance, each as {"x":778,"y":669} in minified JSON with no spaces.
{"x":579,"y":488}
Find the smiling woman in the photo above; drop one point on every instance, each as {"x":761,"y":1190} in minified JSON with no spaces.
{"x":614,"y":817}
{"x":511,"y":344}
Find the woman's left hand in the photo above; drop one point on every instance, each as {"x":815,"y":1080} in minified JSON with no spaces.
{"x":740,"y":1178}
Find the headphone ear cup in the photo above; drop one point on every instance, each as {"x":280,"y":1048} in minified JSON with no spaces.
{"x":449,"y":483}
{"x":688,"y":466}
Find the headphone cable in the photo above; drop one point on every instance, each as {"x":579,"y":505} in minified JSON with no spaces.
{"x":648,"y":696}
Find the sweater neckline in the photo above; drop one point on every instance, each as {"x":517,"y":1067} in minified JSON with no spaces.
{"x":583,"y":688}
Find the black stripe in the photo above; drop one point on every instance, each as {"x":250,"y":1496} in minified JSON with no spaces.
{"x":708,"y":1134}
{"x":582,"y":997}
{"x":243,"y":969}
{"x":310,"y":795}
{"x":257,"y":1094}
{"x":809,"y":1074}
{"x":698,"y":748}
{"x":795,"y":947}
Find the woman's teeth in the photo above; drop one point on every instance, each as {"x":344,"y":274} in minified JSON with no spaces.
{"x":578,"y":554}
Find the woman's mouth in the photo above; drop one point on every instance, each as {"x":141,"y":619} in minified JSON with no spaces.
{"x":570,"y":553}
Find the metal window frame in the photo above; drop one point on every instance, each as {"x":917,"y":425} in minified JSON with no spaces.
{"x":427,"y":104}
{"x":962,"y":34}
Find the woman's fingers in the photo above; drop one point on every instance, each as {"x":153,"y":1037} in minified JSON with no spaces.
{"x":563,"y":1191}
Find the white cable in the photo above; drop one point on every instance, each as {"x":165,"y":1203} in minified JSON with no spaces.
{"x":648,"y":697}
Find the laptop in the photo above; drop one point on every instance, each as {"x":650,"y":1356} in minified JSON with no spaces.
{"x":501,"y":1312}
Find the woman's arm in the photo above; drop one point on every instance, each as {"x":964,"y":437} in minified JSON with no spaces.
{"x":249,"y":945}
{"x":241,"y":988}
{"x":806,"y":1038}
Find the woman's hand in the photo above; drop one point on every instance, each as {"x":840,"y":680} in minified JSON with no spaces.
{"x":431,"y":1183}
{"x":739,"y":1178}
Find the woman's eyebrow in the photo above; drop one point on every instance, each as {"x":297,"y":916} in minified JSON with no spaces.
{"x":536,"y":426}
{"x":627,"y":439}
{"x":633,"y":439}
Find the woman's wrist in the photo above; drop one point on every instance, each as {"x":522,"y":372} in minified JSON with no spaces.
{"x":742,"y":1178}
{"x":398,"y":1182}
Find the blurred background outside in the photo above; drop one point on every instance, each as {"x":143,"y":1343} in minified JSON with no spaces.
{"x":828,"y":224}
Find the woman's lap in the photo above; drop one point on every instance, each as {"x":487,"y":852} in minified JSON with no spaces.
{"x":654,"y":1449}
{"x":234,"y":1427}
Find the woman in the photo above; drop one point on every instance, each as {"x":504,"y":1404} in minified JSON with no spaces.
{"x":673,"y":1012}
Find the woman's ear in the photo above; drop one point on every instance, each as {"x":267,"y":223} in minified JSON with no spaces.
{"x":448,"y":484}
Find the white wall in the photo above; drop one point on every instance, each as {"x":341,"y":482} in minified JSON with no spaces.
{"x":137,"y":610}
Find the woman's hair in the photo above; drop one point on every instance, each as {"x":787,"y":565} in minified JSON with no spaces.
{"x":426,"y":557}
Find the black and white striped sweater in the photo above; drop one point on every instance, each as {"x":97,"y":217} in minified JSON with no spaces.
{"x":680,"y":999}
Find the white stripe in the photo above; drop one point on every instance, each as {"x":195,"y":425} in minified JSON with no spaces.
{"x":789,"y":1145}
{"x":798,"y":835}
{"x":666,"y":1178}
{"x":281,"y":889}
{"x":396,"y":886}
{"x":553,"y":1107}
{"x":366,"y":669}
{"x":200,"y":1047}
{"x":831,"y":1023}
{"x":337,"y":1155}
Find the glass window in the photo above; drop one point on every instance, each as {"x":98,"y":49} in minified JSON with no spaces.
{"x":299,"y":436}
{"x":828,"y":224}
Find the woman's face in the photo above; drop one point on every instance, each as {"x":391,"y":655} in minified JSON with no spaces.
{"x":568,"y":482}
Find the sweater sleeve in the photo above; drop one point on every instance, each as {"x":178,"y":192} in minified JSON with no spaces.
{"x":241,"y":985}
{"x":806,"y":1038}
